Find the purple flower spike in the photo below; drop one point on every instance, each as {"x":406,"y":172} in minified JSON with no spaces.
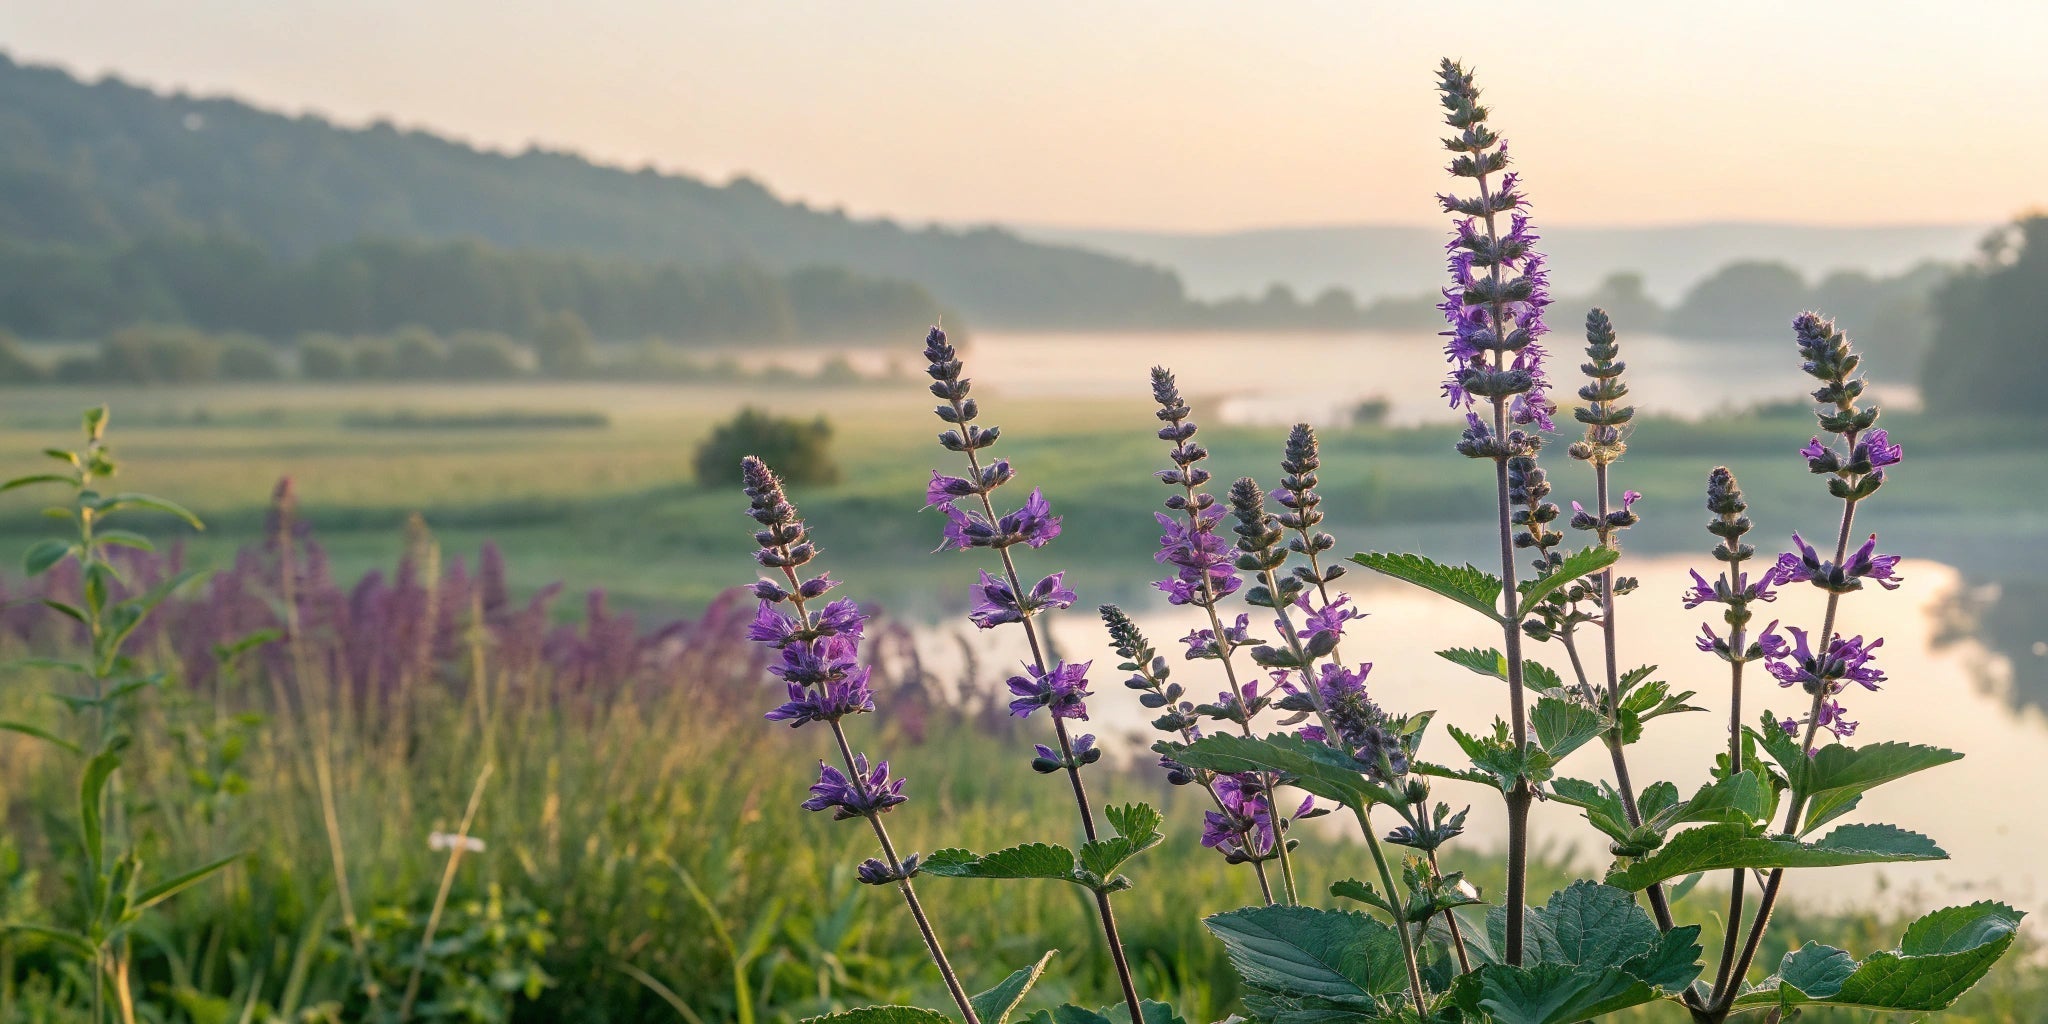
{"x":1062,"y":690}
{"x":828,"y":702}
{"x":1866,"y":563}
{"x":1876,"y":447}
{"x":995,"y":603}
{"x":865,"y":794}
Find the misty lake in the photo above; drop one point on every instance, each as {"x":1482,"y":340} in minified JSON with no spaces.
{"x":1321,"y":377}
{"x":1948,"y":687}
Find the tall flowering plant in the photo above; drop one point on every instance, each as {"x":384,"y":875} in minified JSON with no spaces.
{"x":1295,"y":730}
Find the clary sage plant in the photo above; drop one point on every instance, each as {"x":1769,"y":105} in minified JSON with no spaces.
{"x":1294,"y":731}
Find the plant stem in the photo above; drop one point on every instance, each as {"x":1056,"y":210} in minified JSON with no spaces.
{"x":1379,"y":860}
{"x":1776,"y":880}
{"x":455,"y":851}
{"x":1451,"y":918}
{"x":1104,"y":912}
{"x":924,"y":924}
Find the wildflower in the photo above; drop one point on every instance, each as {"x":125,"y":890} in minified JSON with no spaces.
{"x":1843,"y":662}
{"x":1202,"y":642}
{"x":1244,"y":818}
{"x":1033,"y":525}
{"x":995,"y":603}
{"x":1062,"y":689}
{"x":1727,"y":590}
{"x":864,"y":794}
{"x":1190,"y":544}
{"x":1805,"y":565}
{"x":828,"y":701}
{"x":1829,"y":718}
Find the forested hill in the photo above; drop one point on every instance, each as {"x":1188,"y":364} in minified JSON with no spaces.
{"x":105,"y":164}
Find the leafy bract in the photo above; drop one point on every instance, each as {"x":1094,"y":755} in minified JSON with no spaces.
{"x":1581,"y":563}
{"x":1318,"y":768}
{"x":1563,"y":726}
{"x":1303,"y":963}
{"x":1714,"y":847}
{"x":995,"y":1005}
{"x":1031,"y":860}
{"x":1468,"y":585}
{"x":1941,"y":956}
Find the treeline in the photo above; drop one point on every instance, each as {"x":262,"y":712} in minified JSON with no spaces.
{"x":561,"y":348}
{"x":1990,"y":350}
{"x":223,"y":283}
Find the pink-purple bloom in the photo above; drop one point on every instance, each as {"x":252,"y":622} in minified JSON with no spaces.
{"x":867,"y":792}
{"x":1033,"y":525}
{"x":1830,"y":718}
{"x":1202,"y":642}
{"x":1199,"y":553}
{"x":1062,"y":690}
{"x":996,"y":603}
{"x":1846,"y":660}
{"x":826,"y":702}
{"x":1721,"y":592}
{"x":1805,"y":565}
{"x":1245,"y":817}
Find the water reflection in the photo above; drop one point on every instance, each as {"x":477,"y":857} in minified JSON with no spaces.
{"x":1940,"y":633}
{"x":1999,"y":627}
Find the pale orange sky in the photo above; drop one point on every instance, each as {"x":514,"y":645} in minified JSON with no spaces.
{"x":1183,"y":115}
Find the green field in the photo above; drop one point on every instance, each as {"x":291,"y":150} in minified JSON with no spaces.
{"x":618,"y":506}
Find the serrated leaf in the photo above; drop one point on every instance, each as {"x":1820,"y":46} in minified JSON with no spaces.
{"x":1601,"y":803}
{"x":1494,"y":665}
{"x":1031,"y":860}
{"x":1941,"y":956}
{"x":1563,"y":726}
{"x":1581,"y":563}
{"x":1594,"y":925}
{"x":1549,"y":993}
{"x":882,"y":1015}
{"x":1836,"y":773}
{"x":1672,"y":964}
{"x":1311,"y":958}
{"x":1322,"y":770}
{"x":1466,"y":584}
{"x":995,"y":1005}
{"x":1739,"y":798}
{"x":1714,"y":847}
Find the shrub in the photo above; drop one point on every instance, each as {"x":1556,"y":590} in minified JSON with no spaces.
{"x":798,"y":449}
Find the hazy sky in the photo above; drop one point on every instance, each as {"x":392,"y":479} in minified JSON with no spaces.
{"x":1189,"y":114}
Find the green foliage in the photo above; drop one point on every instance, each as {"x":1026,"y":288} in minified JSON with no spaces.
{"x":1987,"y":352}
{"x":1491,"y":663}
{"x":1941,"y":956}
{"x":1302,"y":963}
{"x":1574,"y":566}
{"x":1714,"y":847}
{"x":486,"y":955}
{"x":798,"y":451}
{"x":1591,"y":951}
{"x":1470,"y":586}
{"x":995,"y":1005}
{"x":1137,"y":827}
{"x":1315,"y":767}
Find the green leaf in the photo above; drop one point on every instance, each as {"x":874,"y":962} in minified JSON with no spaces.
{"x":1322,"y":770}
{"x":91,"y":785}
{"x":45,"y":553}
{"x":41,"y":733}
{"x":1837,"y":774}
{"x":124,"y":539}
{"x":1563,"y":726}
{"x":882,"y":1015}
{"x":1714,"y":847}
{"x":1551,"y":993}
{"x":1494,"y":665}
{"x":1587,"y":924}
{"x":149,"y":503}
{"x":35,"y":478}
{"x":1601,"y":803}
{"x":1137,"y":827}
{"x":995,"y":1005}
{"x":1583,"y":563}
{"x":1499,"y":759}
{"x":1299,"y":959}
{"x":1466,"y":584}
{"x":1031,"y":860}
{"x":69,"y":939}
{"x":1740,"y":799}
{"x":170,"y":887}
{"x":1155,"y":1012}
{"x":1941,"y":956}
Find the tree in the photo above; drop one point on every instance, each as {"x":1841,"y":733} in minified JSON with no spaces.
{"x":800,"y":452}
{"x":1751,"y":299}
{"x":563,"y":347}
{"x":1990,"y":348}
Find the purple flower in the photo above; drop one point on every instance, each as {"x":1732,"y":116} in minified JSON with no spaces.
{"x":772,"y":627}
{"x":1866,"y":563}
{"x":1033,"y":525}
{"x":1877,"y":449}
{"x":1199,"y":554}
{"x":828,"y":702}
{"x":1202,"y":642}
{"x":865,"y":794}
{"x":1845,"y":661}
{"x":1815,"y":451}
{"x":1245,"y":815}
{"x":1330,"y":618}
{"x":947,"y":489}
{"x":1720,"y":591}
{"x":1830,"y":718}
{"x":995,"y":603}
{"x":811,"y":662}
{"x":1061,"y":690}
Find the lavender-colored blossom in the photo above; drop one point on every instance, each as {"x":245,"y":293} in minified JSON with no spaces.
{"x":1200,"y":554}
{"x":1721,"y":592}
{"x":1330,"y":618}
{"x":1875,"y":447}
{"x":995,"y":603}
{"x":1846,"y":660}
{"x":1830,"y":718}
{"x":1244,"y":815}
{"x":1033,"y":525}
{"x":826,"y":702}
{"x":1202,"y":642}
{"x":866,"y":793}
{"x":1805,"y":565}
{"x":1061,"y":690}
